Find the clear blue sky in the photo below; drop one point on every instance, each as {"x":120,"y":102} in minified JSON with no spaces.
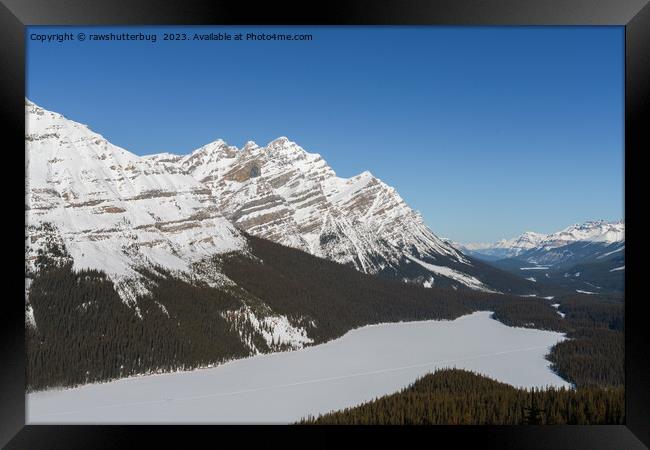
{"x":488,"y":132}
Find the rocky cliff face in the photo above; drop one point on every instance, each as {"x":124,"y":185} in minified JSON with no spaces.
{"x":283,"y":193}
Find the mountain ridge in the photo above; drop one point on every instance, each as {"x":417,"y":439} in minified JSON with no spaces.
{"x":115,"y":209}
{"x":589,"y":231}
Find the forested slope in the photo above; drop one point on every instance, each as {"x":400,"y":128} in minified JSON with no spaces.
{"x":84,"y":331}
{"x":459,"y":397}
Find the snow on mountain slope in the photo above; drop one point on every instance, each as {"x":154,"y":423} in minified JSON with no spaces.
{"x":285,"y":194}
{"x":112,"y":209}
{"x":453,"y":274}
{"x":592,"y":231}
{"x":115,"y":210}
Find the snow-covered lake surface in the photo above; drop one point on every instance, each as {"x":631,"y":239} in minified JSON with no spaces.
{"x":284,"y":387}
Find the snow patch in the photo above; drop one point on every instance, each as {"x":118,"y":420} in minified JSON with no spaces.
{"x":29,"y":316}
{"x":275,"y":329}
{"x":448,"y":272}
{"x":557,"y":306}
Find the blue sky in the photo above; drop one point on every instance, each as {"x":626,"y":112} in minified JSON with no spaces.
{"x":488,"y":132}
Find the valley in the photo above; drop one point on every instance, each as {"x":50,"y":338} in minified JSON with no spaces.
{"x":255,"y":285}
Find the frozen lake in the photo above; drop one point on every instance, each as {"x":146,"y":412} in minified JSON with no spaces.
{"x":284,"y":387}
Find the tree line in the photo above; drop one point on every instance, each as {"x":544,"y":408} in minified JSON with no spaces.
{"x":594,"y":353}
{"x":460,"y":397}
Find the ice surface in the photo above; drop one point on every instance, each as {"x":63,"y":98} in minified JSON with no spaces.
{"x":284,"y":387}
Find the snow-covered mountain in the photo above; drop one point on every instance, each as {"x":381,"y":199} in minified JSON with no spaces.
{"x":113,"y":210}
{"x":283,"y":193}
{"x":504,"y":248}
{"x":588,"y":256}
{"x":116,"y":211}
{"x":591,"y":231}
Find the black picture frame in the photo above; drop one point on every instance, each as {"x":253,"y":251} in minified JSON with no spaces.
{"x":16,"y":14}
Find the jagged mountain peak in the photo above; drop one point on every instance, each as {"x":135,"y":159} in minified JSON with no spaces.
{"x":280,"y":141}
{"x":250,"y":146}
{"x":212,"y":149}
{"x":284,"y":148}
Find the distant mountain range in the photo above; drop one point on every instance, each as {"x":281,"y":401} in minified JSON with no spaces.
{"x":588,"y":257}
